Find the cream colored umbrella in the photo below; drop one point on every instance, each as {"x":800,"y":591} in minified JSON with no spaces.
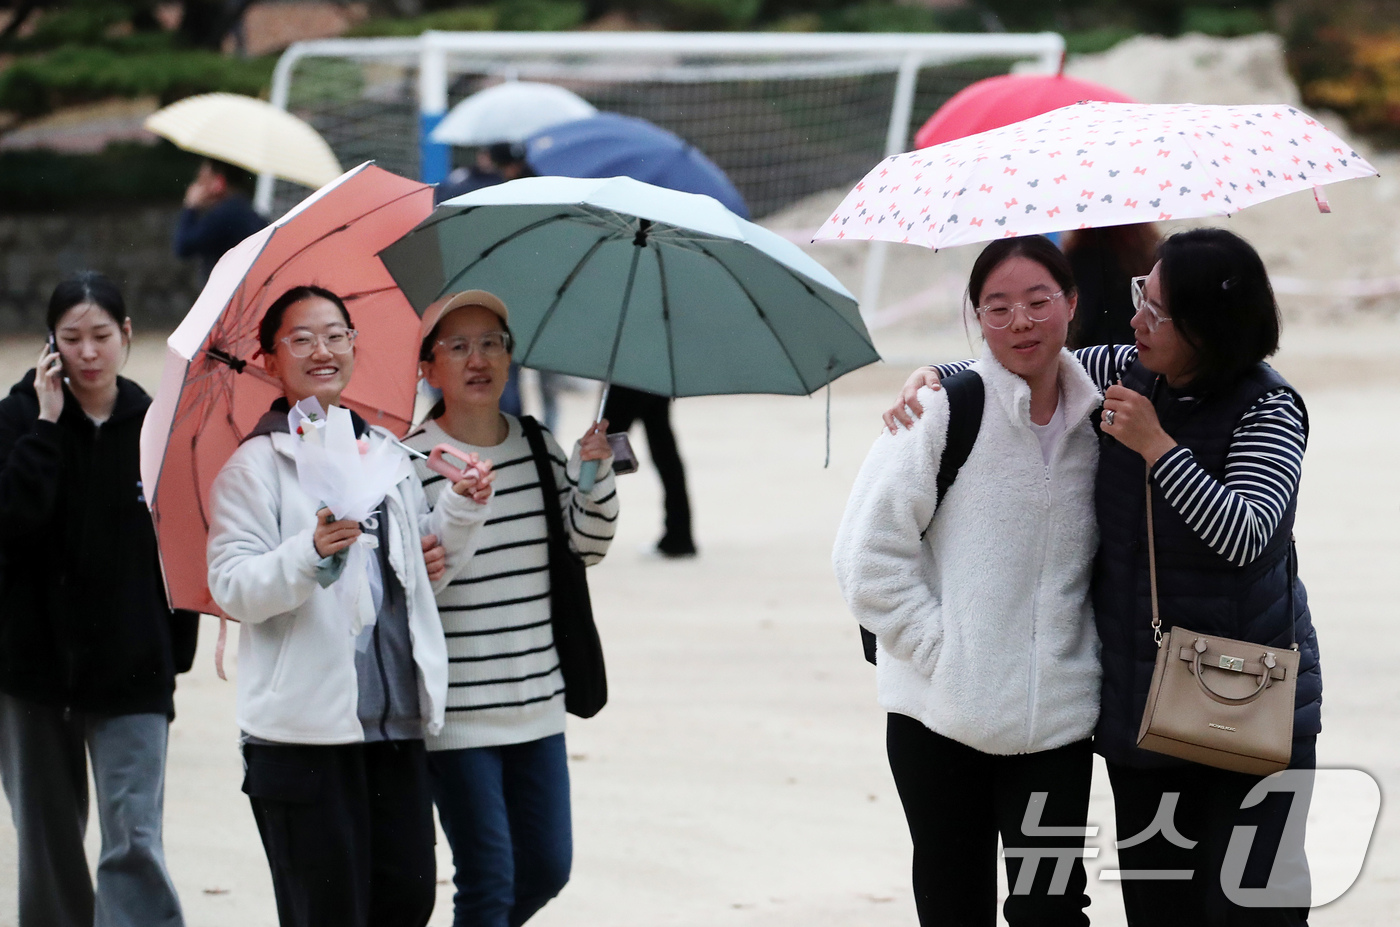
{"x":250,"y":133}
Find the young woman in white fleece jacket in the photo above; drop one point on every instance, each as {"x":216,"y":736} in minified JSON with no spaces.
{"x":987,"y":655}
{"x":499,"y":769}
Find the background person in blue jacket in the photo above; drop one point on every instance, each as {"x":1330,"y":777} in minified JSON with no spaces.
{"x":217,"y":214}
{"x":89,"y":648}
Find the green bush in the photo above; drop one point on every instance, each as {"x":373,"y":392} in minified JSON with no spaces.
{"x":540,"y":15}
{"x":1093,"y":41}
{"x":1223,"y":21}
{"x":875,"y":16}
{"x":36,"y":85}
{"x":123,"y":173}
{"x":461,"y":19}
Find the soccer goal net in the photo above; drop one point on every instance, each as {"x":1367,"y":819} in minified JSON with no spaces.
{"x":785,"y":115}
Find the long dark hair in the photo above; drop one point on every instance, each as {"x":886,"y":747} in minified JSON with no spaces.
{"x":272,"y":319}
{"x":1037,"y":248}
{"x":86,"y":286}
{"x":1217,"y":292}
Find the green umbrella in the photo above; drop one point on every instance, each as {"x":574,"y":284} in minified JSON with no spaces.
{"x":624,"y":282}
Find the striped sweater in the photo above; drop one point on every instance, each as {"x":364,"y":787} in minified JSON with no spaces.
{"x":1235,"y":517}
{"x":504,"y":684}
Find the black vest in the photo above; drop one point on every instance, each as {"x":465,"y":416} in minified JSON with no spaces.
{"x":1195,"y":586}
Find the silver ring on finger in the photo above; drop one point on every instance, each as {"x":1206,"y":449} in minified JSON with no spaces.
{"x":1108,"y":417}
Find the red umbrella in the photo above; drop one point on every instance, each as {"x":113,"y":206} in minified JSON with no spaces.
{"x":214,"y":388}
{"x":999,"y":101}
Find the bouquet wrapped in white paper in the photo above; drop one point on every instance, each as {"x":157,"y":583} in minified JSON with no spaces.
{"x":350,"y":477}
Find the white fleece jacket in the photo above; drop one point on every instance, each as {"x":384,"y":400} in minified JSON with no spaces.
{"x":985,"y":626}
{"x":296,"y":649}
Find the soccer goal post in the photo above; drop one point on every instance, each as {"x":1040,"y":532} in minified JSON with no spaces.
{"x":785,"y":115}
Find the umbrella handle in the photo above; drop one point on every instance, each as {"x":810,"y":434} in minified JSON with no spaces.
{"x":588,"y":473}
{"x":588,"y":476}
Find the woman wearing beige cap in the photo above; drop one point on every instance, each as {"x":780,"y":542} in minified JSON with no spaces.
{"x":499,"y":770}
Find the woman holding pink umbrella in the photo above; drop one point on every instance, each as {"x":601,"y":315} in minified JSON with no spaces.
{"x":333,"y":715}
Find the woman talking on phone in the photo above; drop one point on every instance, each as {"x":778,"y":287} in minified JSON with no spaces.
{"x":89,"y":647}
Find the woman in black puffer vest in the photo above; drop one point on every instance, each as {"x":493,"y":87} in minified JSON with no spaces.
{"x":1222,"y":435}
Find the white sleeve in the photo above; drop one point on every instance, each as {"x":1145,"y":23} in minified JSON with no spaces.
{"x":255,"y":574}
{"x":879,"y":552}
{"x":457,"y":522}
{"x":590,"y":518}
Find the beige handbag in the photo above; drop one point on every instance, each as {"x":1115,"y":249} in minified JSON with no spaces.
{"x":1217,"y":701}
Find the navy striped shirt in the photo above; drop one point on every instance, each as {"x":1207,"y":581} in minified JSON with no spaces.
{"x":1235,"y":517}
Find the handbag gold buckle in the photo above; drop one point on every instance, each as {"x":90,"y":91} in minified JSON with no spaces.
{"x":1235,"y":664}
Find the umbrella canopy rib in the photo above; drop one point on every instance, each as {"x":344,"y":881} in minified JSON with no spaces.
{"x":559,"y":295}
{"x":496,"y":245}
{"x":626,"y":298}
{"x":666,"y":318}
{"x":807,"y":390}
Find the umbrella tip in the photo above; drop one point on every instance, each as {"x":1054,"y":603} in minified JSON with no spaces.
{"x":1060,"y":72}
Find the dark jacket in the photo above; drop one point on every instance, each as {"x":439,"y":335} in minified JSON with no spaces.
{"x":1105,"y":311}
{"x":1196,"y":587}
{"x":84,"y":622}
{"x":208,"y":233}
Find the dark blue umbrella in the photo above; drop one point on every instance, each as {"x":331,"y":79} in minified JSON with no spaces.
{"x":612,"y":145}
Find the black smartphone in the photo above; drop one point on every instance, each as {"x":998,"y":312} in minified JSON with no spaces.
{"x":52,"y":345}
{"x":624,"y":461}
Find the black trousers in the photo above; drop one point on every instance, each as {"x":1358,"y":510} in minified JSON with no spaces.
{"x":957,"y":800}
{"x":624,"y":408}
{"x":348,"y":831}
{"x":1207,"y":812}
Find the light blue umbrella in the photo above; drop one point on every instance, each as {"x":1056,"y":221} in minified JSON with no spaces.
{"x":625,"y":282}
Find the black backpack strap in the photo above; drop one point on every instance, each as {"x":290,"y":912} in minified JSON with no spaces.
{"x":966,"y":397}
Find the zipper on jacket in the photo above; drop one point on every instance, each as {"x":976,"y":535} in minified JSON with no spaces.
{"x":384,"y":682}
{"x":1035,"y":614}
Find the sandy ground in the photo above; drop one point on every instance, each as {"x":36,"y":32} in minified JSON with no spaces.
{"x":738,"y":774}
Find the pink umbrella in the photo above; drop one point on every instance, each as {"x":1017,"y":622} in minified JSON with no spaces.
{"x":1000,"y":101}
{"x":1094,"y":165}
{"x":214,"y":388}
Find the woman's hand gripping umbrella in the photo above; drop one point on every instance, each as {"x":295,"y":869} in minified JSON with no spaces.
{"x":216,"y":386}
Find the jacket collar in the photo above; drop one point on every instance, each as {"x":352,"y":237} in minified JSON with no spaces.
{"x":1077,"y":391}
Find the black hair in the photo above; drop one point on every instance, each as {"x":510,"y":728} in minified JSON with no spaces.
{"x":1037,"y":248}
{"x":272,"y":319}
{"x":87,"y":286}
{"x":236,"y":177}
{"x":504,"y":153}
{"x":425,"y":350}
{"x":1217,"y":293}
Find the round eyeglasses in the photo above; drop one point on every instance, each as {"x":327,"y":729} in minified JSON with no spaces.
{"x":337,"y":341}
{"x":491,"y":344}
{"x":1037,"y":310}
{"x":1155,"y":315}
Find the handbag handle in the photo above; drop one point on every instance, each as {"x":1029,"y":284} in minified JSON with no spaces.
{"x":1264,"y":679}
{"x":1152,"y":558}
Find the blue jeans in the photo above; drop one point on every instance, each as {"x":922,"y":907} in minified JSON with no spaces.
{"x":505,"y":811}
